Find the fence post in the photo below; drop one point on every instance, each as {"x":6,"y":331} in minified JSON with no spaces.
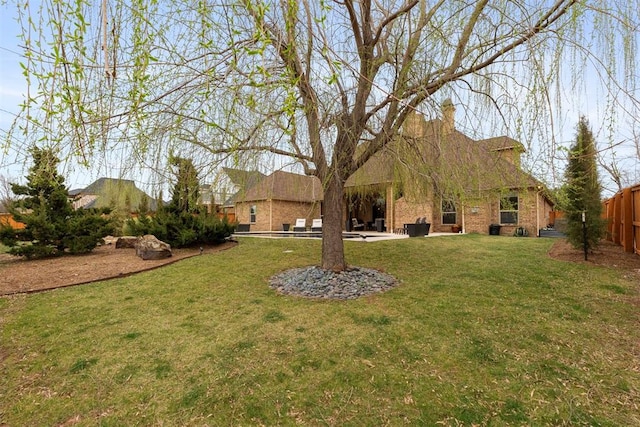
{"x":617,"y":214}
{"x":608,"y":214}
{"x":627,"y":220}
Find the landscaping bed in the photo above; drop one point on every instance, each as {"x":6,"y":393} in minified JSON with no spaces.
{"x":19,"y":275}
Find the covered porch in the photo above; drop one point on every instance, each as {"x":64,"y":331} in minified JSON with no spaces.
{"x":369,"y":208}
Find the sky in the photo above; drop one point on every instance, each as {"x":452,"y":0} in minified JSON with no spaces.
{"x":12,"y":86}
{"x":590,"y":101}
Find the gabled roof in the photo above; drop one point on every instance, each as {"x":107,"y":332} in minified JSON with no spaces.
{"x":108,"y":192}
{"x":449,"y":159}
{"x":242,"y":178}
{"x":285,"y":186}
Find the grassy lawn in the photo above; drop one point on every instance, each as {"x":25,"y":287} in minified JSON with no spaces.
{"x":483,"y":330}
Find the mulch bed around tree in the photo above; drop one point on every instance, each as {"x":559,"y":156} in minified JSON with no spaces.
{"x":607,"y":254}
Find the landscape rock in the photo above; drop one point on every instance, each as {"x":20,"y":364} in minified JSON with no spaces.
{"x":149,"y":247}
{"x":109,"y":240}
{"x":125,"y":242}
{"x":315,"y":282}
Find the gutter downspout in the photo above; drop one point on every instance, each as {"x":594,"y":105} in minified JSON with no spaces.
{"x":271,"y":215}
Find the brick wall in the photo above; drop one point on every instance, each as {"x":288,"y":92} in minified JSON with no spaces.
{"x":533,"y":212}
{"x":478,"y":215}
{"x":271,"y":214}
{"x":407,"y":212}
{"x":287,"y":213}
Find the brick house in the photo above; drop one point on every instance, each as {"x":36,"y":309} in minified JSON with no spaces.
{"x":435,"y":172}
{"x":277,"y":199}
{"x":431,"y":171}
{"x":234,"y":183}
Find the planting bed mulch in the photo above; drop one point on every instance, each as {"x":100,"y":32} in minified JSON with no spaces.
{"x":105,"y":262}
{"x":606,"y":254}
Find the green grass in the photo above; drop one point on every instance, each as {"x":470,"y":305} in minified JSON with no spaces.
{"x":482,"y":330}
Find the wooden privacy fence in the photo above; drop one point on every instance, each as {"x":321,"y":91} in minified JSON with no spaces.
{"x":7,"y":219}
{"x":623,"y":214}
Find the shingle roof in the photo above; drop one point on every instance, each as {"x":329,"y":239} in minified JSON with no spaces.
{"x":500,"y":143}
{"x":287,"y":186}
{"x":452,"y":161}
{"x":114,"y":190}
{"x":242,"y":178}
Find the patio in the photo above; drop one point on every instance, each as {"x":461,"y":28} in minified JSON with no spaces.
{"x":365,"y":236}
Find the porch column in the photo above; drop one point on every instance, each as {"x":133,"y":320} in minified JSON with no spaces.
{"x":390,"y":210}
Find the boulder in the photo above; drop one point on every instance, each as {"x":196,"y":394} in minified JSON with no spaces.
{"x":109,"y":240}
{"x":149,"y":247}
{"x":126,"y":242}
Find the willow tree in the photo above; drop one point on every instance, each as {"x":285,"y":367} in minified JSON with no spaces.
{"x":325,"y":83}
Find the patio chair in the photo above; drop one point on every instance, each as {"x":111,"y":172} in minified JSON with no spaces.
{"x":316,"y":225}
{"x":356,"y":225}
{"x":301,"y":225}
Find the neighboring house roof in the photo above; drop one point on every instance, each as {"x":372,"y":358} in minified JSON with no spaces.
{"x":243,"y":181}
{"x":111,"y":192}
{"x":287,"y":186}
{"x":242,"y":178}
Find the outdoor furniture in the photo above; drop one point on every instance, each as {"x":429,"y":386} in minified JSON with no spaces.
{"x":419,"y":229}
{"x":243,"y":228}
{"x":412,"y":229}
{"x":316,"y":225}
{"x":301,"y":225}
{"x":380,"y":228}
{"x":356,"y":225}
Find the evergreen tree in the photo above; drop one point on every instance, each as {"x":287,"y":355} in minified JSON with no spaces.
{"x":182,"y":223}
{"x":583,"y":191}
{"x":186,"y":190}
{"x":52,"y":226}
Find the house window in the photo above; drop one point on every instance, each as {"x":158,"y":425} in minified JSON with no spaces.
{"x":509,"y":209}
{"x":448,"y":212}
{"x":252,"y":214}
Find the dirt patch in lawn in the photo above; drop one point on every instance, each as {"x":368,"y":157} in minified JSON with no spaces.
{"x":18,"y":275}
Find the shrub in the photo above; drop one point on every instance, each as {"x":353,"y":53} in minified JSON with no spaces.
{"x":182,"y":229}
{"x":52,"y":226}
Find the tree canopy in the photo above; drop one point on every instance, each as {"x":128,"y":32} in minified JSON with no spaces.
{"x":324,"y":84}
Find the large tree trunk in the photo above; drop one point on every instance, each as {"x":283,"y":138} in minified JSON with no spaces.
{"x":332,"y":244}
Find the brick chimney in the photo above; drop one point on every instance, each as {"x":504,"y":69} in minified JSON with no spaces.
{"x":448,"y":117}
{"x":414,"y":125}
